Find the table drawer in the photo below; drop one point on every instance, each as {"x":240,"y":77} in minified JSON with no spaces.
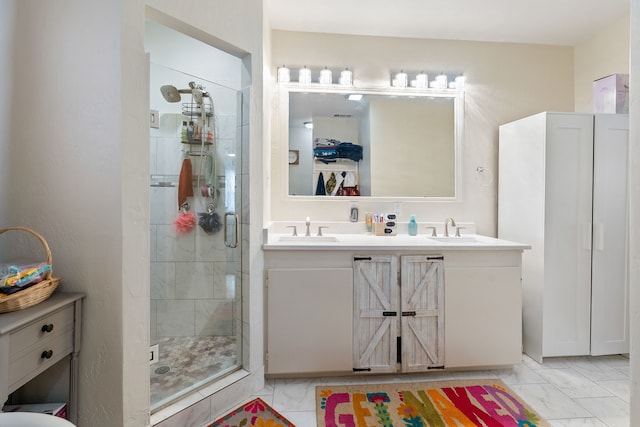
{"x":40,"y":357}
{"x":35,"y":331}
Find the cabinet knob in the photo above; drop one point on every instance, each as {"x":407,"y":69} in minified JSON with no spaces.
{"x":47,"y":328}
{"x":46,"y":354}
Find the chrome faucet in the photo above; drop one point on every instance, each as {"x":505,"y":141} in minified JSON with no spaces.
{"x":447,"y":222}
{"x":308,"y":224}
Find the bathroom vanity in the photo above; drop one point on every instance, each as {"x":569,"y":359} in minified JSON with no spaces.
{"x":356,"y":303}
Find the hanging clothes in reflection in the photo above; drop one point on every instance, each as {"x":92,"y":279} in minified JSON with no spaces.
{"x":320,"y":188}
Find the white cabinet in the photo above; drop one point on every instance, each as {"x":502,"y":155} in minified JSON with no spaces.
{"x":394,"y":316}
{"x":309,"y":320}
{"x":483,"y":316}
{"x":32,"y":342}
{"x":562,"y":189}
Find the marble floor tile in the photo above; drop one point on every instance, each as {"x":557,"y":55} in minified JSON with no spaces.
{"x":520,"y":374}
{"x":599,"y":368}
{"x":612,"y":411}
{"x":577,"y":422}
{"x":550,"y":402}
{"x":301,"y":418}
{"x":296,"y":394}
{"x":619,"y":388}
{"x":573,"y":384}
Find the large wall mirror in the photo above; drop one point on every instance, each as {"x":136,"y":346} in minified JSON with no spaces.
{"x":386,"y":143}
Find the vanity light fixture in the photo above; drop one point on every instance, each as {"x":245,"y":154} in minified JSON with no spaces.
{"x":400,"y":80}
{"x":308,"y":125}
{"x":304,"y":75}
{"x":284,"y":75}
{"x":354,"y":96}
{"x":346,"y":77}
{"x":460,"y":82}
{"x":422,"y":81}
{"x":326,"y":77}
{"x":441,"y":81}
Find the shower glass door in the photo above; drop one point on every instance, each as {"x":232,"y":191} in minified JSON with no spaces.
{"x":195,"y":156}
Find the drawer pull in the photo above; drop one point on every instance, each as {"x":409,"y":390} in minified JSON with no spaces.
{"x":47,"y":328}
{"x":47,"y":354}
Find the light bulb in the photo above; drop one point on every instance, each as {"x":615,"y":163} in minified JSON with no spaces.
{"x":304,"y":75}
{"x":284,"y":75}
{"x":326,"y":77}
{"x":422,"y":81}
{"x":441,"y":81}
{"x":401,"y":79}
{"x":460,"y":82}
{"x":346,"y":77}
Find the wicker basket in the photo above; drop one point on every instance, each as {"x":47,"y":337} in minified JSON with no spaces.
{"x":34,"y":294}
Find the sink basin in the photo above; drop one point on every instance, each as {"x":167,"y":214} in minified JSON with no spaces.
{"x":454,"y":239}
{"x":307,"y":239}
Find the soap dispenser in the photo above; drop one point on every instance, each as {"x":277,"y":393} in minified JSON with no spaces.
{"x":413,"y":226}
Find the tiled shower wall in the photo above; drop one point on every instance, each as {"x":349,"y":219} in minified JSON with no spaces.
{"x":195,"y":278}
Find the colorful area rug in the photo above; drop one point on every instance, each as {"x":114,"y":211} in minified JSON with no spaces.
{"x":485,"y":403}
{"x":253,"y":414}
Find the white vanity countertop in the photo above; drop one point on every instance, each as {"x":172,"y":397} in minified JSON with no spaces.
{"x":399,"y":242}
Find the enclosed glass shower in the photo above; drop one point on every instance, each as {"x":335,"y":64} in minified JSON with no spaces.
{"x":195,"y":157}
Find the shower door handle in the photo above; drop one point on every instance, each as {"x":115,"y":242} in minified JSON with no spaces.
{"x":233,"y":244}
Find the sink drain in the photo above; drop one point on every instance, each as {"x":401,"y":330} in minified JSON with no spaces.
{"x":162,"y":370}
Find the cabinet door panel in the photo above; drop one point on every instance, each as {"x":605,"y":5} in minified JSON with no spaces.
{"x":375,"y":314}
{"x":609,"y":280}
{"x":309,"y":320}
{"x":422,"y":306}
{"x":483,"y":312}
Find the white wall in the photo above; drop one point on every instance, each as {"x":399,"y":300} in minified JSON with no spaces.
{"x":605,"y":52}
{"x":7,"y":24}
{"x":634,"y":214}
{"x":71,"y":145}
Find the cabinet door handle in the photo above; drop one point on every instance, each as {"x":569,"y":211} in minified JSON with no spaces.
{"x":47,"y":328}
{"x":408,"y":313}
{"x":46,"y":354}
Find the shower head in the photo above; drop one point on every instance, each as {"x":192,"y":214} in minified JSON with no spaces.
{"x":171,"y":94}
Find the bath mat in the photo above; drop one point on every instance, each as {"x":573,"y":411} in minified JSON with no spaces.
{"x":253,"y":414}
{"x":488,"y":403}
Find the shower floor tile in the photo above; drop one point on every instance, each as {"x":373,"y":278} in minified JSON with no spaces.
{"x":186,"y":363}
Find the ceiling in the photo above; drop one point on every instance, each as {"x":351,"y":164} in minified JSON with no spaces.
{"x":556,"y":22}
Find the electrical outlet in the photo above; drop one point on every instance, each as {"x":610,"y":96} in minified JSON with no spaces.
{"x":154,"y":119}
{"x":397,"y":208}
{"x":154,"y":354}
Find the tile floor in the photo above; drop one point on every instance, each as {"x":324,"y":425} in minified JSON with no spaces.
{"x":187,"y":363}
{"x":567,"y":392}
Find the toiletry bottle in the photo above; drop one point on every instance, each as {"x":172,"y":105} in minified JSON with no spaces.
{"x":190,"y":131}
{"x":184,"y":132}
{"x":413,"y":226}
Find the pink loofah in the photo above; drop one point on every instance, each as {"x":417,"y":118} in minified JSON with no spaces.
{"x":185,"y":222}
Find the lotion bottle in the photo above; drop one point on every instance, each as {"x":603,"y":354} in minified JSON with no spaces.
{"x":413,"y":226}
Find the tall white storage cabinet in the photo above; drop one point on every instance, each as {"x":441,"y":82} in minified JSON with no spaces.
{"x":563,"y":189}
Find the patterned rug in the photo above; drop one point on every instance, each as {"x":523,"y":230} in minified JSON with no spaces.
{"x":253,"y":414}
{"x":488,"y":403}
